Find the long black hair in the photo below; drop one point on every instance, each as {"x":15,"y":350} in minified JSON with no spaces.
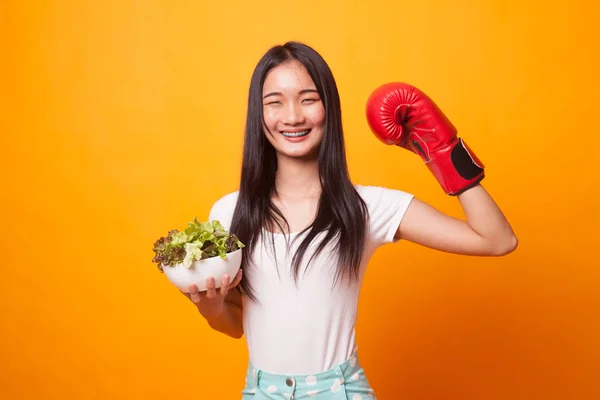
{"x":342,"y":214}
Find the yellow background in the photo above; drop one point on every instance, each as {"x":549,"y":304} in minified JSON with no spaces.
{"x":123,"y":119}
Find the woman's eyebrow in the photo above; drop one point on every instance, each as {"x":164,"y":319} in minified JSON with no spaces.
{"x":300,"y":92}
{"x":272,"y":94}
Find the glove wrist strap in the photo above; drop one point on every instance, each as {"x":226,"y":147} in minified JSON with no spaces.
{"x":456,"y":167}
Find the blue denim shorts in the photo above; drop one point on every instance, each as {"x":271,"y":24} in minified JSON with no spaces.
{"x":346,"y":381}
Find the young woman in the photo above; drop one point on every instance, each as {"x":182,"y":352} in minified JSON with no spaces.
{"x":310,"y":231}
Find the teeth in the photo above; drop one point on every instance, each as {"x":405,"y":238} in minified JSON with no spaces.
{"x":295,"y":134}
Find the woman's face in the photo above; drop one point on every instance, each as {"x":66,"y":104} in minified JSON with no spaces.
{"x":293,"y":111}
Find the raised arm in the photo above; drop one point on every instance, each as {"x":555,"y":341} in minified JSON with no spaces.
{"x":402,"y":115}
{"x":485,"y":232}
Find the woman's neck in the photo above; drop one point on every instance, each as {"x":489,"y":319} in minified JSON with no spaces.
{"x":297,"y":179}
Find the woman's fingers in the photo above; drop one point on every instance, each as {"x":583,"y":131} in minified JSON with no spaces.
{"x":194,"y":294}
{"x":237,"y":280}
{"x":211,"y":292}
{"x":224,"y":285}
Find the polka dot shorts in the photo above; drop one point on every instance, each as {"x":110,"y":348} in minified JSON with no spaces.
{"x":346,"y":381}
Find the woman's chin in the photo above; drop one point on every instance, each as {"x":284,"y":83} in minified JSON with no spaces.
{"x":300,"y":154}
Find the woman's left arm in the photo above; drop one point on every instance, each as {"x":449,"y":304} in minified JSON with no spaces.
{"x":485,"y":232}
{"x":402,"y":115}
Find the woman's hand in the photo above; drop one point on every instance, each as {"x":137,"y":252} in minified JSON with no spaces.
{"x":211,"y":303}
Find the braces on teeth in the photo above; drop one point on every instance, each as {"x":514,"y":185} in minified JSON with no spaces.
{"x":295,"y":134}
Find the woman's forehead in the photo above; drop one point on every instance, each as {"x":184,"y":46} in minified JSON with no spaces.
{"x":288,"y":77}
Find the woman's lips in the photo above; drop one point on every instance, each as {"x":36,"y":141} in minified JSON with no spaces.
{"x":295,"y":136}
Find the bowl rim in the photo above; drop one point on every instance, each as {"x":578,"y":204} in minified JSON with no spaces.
{"x":204,"y":259}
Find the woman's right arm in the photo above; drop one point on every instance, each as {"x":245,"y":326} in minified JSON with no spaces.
{"x":222,"y":308}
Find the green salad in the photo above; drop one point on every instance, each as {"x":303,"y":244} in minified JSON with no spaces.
{"x":198,"y":241}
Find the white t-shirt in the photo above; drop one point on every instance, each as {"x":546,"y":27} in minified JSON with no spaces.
{"x":307,"y":328}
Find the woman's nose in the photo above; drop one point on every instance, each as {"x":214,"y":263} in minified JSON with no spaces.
{"x":293,"y":115}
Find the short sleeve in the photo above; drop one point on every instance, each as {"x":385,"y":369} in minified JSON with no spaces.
{"x":386,"y":210}
{"x":223,"y":209}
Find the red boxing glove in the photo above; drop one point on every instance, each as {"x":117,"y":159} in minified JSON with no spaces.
{"x":401,"y":114}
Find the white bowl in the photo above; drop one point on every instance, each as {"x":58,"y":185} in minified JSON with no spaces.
{"x":197,"y":273}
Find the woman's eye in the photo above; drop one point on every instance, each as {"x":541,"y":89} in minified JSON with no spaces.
{"x":272,"y":102}
{"x":309,"y":100}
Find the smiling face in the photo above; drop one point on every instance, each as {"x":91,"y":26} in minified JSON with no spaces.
{"x":293,"y":111}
